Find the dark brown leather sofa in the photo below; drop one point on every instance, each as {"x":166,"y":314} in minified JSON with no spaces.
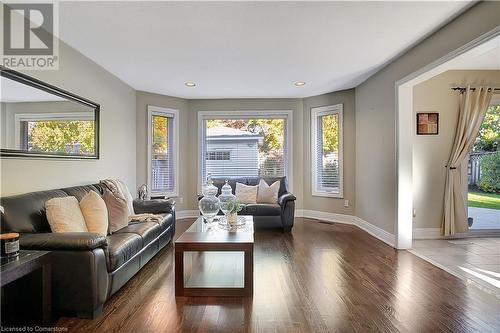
{"x":87,"y":268}
{"x":265,"y":216}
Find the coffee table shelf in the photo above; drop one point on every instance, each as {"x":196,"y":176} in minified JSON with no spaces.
{"x":201,"y":237}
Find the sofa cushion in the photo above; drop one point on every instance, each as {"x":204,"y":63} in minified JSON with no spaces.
{"x":95,"y":213}
{"x":268,"y":193}
{"x":147,"y":230}
{"x":80,"y":191}
{"x":117,"y":211}
{"x":269,"y":180}
{"x":26,"y":212}
{"x":246,"y":194}
{"x":121,"y":247}
{"x":262,"y":210}
{"x":64,"y":215}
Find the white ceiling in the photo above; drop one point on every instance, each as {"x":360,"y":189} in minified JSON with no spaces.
{"x":247,"y":49}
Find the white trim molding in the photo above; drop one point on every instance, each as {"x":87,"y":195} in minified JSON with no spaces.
{"x":249,"y":114}
{"x":384,"y":236}
{"x":404,"y":124}
{"x":174,"y":114}
{"x":337,"y":109}
{"x":325,"y":216}
{"x":381,"y":234}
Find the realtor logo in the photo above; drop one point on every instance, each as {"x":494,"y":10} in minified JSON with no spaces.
{"x":28,"y":36}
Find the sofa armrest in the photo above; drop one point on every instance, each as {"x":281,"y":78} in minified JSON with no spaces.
{"x":285,"y":197}
{"x":154,"y":206}
{"x":68,"y":241}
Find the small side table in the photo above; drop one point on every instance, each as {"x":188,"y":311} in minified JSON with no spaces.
{"x":19,"y":278}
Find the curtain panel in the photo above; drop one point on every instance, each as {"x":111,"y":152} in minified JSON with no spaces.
{"x":472,"y":108}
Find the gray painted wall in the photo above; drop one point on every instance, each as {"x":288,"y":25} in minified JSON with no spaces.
{"x":185,"y":135}
{"x":80,"y":75}
{"x":376,"y":113}
{"x":332,"y":205}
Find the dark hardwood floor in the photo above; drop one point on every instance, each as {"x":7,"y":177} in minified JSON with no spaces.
{"x":319,"y":278}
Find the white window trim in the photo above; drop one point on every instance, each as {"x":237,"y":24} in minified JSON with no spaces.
{"x":160,"y":111}
{"x":315,"y":113}
{"x":249,"y":114}
{"x":20,"y":117}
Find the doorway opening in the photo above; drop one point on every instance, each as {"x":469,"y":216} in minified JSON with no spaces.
{"x":483,"y":170}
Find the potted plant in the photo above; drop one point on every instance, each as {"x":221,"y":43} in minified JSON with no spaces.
{"x":233,"y":207}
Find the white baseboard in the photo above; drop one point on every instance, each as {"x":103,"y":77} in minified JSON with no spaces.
{"x":373,"y":230}
{"x":384,"y":236}
{"x":187,"y":214}
{"x":325,"y":216}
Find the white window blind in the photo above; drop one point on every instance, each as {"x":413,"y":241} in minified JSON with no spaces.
{"x":326,"y":134}
{"x":162,"y":151}
{"x":246,"y":147}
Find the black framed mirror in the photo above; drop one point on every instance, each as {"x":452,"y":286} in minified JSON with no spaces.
{"x":40,"y":120}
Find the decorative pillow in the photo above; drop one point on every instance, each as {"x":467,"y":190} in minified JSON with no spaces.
{"x":127,"y":196}
{"x":268,"y":194}
{"x":117,"y":211}
{"x":246,"y":194}
{"x":64,"y":215}
{"x":95,"y":213}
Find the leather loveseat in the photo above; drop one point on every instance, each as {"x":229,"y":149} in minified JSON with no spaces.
{"x":278,"y":215}
{"x":87,"y":268}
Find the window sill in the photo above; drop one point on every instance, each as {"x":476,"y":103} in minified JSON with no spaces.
{"x":168,"y":195}
{"x":328,"y":195}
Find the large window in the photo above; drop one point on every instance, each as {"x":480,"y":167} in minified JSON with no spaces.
{"x":326,"y":156}
{"x":162,"y":151}
{"x":244,"y":144}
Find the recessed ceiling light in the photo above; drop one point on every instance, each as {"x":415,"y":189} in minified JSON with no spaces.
{"x":299,"y":83}
{"x":190,"y":84}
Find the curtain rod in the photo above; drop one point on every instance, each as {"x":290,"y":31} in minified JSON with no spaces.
{"x":462,"y":89}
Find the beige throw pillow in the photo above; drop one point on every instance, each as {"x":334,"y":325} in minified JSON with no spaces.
{"x":246,"y":194}
{"x":64,"y":215}
{"x":95,"y":213}
{"x":268,"y":194}
{"x":117,"y":211}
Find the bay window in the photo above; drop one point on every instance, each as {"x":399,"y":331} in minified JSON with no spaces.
{"x":162,"y":151}
{"x":244,"y":144}
{"x":326,"y":151}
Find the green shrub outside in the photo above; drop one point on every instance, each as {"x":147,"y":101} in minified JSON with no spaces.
{"x":490,"y":173}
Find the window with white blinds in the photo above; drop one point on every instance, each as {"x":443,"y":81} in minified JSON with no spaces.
{"x":244,"y":146}
{"x":162,"y":151}
{"x":326,"y":151}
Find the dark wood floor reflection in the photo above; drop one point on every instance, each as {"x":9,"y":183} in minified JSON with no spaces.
{"x":319,"y":278}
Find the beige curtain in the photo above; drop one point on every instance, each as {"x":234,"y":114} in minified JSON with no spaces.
{"x":473,"y":106}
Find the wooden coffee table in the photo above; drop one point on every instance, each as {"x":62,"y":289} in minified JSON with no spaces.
{"x":201,"y":238}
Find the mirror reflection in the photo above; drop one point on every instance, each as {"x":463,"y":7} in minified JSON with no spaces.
{"x":34,"y":121}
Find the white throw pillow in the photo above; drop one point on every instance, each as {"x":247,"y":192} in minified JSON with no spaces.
{"x":268,"y":194}
{"x":95,"y":213}
{"x":64,"y":215}
{"x":246,"y":194}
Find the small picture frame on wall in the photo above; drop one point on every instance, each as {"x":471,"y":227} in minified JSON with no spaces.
{"x":427,"y":123}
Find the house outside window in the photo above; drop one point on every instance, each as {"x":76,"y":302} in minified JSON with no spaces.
{"x":327,"y":151}
{"x":219,"y":155}
{"x":244,"y":144}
